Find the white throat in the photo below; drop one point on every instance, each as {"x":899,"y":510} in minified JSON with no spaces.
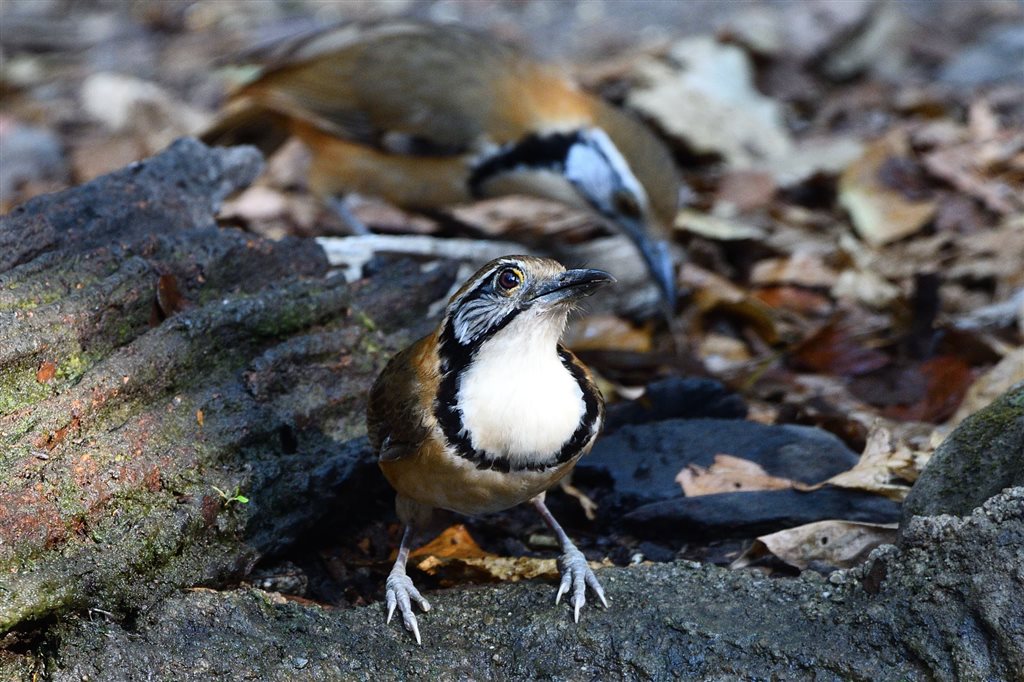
{"x":517,"y":399}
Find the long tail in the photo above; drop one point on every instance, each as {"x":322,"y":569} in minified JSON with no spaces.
{"x":247,"y":122}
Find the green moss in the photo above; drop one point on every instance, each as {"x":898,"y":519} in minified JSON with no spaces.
{"x":71,"y":367}
{"x":18,"y":388}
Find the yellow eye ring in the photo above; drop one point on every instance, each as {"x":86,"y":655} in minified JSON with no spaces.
{"x":508,"y":279}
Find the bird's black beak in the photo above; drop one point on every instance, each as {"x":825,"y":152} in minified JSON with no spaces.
{"x":570,"y":286}
{"x":656,"y":254}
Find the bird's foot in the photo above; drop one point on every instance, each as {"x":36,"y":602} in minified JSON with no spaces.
{"x":576,"y":575}
{"x":400,"y":593}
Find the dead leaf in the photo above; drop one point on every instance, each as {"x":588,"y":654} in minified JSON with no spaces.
{"x":946,"y":380}
{"x":795,"y":299}
{"x":704,"y":84}
{"x":742,"y":191}
{"x":803,"y":267}
{"x":991,"y":385}
{"x":865,"y":286}
{"x":455,"y":556}
{"x":609,"y":332}
{"x":453,"y":542}
{"x":168,"y":296}
{"x":721,"y":353}
{"x":886,"y":467}
{"x":882,"y":213}
{"x":835,"y":349}
{"x":841,"y":544}
{"x":728,"y":474}
{"x":712,"y":292}
{"x":716,"y":227}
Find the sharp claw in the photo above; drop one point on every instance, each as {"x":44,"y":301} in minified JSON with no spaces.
{"x":576,"y":576}
{"x":400,"y":594}
{"x":596,"y":587}
{"x":563,"y":588}
{"x":416,"y":631}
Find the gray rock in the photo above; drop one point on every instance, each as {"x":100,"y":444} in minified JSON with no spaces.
{"x":943,"y":605}
{"x":982,"y":456}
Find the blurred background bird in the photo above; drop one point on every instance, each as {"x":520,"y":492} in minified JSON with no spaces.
{"x":432,"y":116}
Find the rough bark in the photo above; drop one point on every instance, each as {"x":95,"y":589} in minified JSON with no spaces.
{"x":146,"y":356}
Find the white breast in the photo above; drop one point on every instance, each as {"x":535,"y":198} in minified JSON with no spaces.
{"x":517,"y":398}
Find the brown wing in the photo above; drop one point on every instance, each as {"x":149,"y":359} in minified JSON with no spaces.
{"x":398,"y":411}
{"x":378,"y":83}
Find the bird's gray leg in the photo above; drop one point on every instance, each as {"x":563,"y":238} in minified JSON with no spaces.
{"x":576,"y":574}
{"x":400,"y":592}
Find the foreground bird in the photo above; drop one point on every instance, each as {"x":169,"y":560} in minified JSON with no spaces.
{"x":428,"y":116}
{"x":489,"y":411}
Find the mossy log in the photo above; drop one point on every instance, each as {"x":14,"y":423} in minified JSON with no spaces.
{"x":148,"y":358}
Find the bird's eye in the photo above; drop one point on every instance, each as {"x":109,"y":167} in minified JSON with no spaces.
{"x":509,"y":279}
{"x":626,"y":204}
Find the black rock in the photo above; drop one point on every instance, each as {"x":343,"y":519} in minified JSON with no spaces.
{"x":641,"y":461}
{"x":677,"y":398}
{"x":752,"y":513}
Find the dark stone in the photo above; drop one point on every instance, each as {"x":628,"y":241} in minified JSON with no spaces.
{"x":677,"y":398}
{"x":752,"y":513}
{"x":982,"y":456}
{"x":642,"y":461}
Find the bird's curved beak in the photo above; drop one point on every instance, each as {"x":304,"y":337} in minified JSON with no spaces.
{"x":657,"y":256}
{"x":570,"y":286}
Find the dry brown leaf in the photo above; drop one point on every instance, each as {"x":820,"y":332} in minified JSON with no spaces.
{"x":721,"y":353}
{"x":795,"y":299}
{"x":453,"y":542}
{"x":716,"y":227}
{"x":803,"y":267}
{"x":454,"y":555}
{"x":880,"y":213}
{"x":835,"y":543}
{"x":742,"y":191}
{"x":728,"y":474}
{"x":836,"y":349}
{"x":990,"y":385}
{"x":609,"y":332}
{"x":886,"y":467}
{"x":713,"y":292}
{"x":702,"y":84}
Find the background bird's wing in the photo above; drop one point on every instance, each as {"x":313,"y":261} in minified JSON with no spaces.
{"x":379,"y":85}
{"x":394,"y":414}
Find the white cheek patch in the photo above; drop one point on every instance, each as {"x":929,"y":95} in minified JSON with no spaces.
{"x":474,"y":318}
